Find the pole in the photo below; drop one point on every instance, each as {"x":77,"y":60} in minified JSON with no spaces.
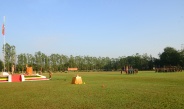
{"x":4,"y":41}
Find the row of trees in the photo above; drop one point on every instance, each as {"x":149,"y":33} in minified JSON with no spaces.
{"x":170,"y":57}
{"x":59,"y":62}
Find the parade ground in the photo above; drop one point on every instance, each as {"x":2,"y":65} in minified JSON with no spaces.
{"x":99,"y":90}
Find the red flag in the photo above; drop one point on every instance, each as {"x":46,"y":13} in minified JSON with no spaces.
{"x":3,"y":29}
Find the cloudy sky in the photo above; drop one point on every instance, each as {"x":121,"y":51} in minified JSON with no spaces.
{"x":103,"y":28}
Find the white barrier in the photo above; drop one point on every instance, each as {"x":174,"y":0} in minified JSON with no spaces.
{"x":22,"y":78}
{"x":9,"y":78}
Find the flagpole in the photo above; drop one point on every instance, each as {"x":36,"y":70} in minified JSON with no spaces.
{"x":4,"y":41}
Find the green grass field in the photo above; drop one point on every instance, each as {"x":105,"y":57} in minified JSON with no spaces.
{"x":102,"y":90}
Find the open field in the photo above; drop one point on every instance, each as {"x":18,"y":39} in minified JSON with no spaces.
{"x":102,"y":90}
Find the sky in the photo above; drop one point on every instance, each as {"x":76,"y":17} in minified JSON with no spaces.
{"x":105,"y":28}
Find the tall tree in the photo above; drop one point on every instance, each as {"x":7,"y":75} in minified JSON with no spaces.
{"x":1,"y":64}
{"x":10,"y":56}
{"x":182,"y":58}
{"x":38,"y":60}
{"x":22,"y":61}
{"x":170,"y":56}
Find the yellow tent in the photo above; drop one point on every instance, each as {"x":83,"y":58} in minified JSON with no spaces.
{"x":77,"y":80}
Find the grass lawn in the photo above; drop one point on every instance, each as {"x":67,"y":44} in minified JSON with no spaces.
{"x":102,"y":90}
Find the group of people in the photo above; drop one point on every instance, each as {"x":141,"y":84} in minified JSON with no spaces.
{"x":169,"y":69}
{"x":129,"y":70}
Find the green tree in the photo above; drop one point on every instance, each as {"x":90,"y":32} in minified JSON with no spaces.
{"x":38,"y":61}
{"x":1,"y":64}
{"x":170,"y":56}
{"x":10,"y":56}
{"x":71,"y":61}
{"x":30,"y":59}
{"x":182,"y":58}
{"x":22,"y":61}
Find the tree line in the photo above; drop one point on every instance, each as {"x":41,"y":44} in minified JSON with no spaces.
{"x":60,"y":63}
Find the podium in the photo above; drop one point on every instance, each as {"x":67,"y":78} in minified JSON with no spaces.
{"x":77,"y":80}
{"x":16,"y":78}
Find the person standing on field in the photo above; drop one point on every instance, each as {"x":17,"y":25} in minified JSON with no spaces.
{"x":50,"y":74}
{"x":122,"y":70}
